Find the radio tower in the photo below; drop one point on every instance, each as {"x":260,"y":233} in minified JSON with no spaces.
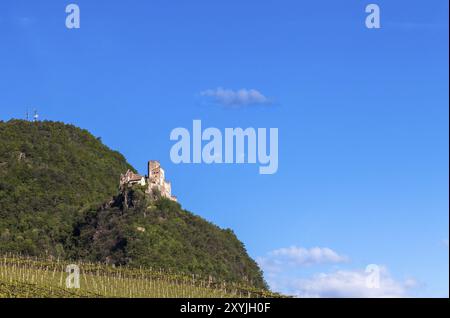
{"x":36,"y":116}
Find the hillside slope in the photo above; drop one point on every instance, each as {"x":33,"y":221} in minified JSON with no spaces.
{"x":154,"y":232}
{"x":49,"y":173}
{"x":25,"y":277}
{"x":56,"y":188}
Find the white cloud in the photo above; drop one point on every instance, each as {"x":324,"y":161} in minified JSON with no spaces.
{"x":344,"y":284}
{"x":285,"y":271}
{"x":242,"y":97}
{"x":299,"y":256}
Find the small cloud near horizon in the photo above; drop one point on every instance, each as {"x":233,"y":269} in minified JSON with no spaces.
{"x":300,"y":256}
{"x":236,"y":98}
{"x":281,"y":270}
{"x":346,"y":284}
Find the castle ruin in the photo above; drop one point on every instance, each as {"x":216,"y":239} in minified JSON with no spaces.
{"x":155,"y":180}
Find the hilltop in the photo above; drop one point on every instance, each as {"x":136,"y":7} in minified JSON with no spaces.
{"x":59,"y":198}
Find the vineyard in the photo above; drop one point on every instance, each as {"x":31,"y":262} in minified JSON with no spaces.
{"x":24,"y":277}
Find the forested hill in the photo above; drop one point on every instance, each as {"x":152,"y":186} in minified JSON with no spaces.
{"x":57,"y":184}
{"x":49,"y":173}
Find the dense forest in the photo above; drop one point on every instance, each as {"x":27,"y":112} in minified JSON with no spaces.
{"x":59,"y":197}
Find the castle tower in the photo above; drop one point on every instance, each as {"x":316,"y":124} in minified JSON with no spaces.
{"x":154,"y":172}
{"x":157,"y":179}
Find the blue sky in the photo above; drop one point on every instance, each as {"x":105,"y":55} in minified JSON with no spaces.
{"x":362,"y":117}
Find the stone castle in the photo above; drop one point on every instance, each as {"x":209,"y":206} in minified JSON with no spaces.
{"x":154,"y":180}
